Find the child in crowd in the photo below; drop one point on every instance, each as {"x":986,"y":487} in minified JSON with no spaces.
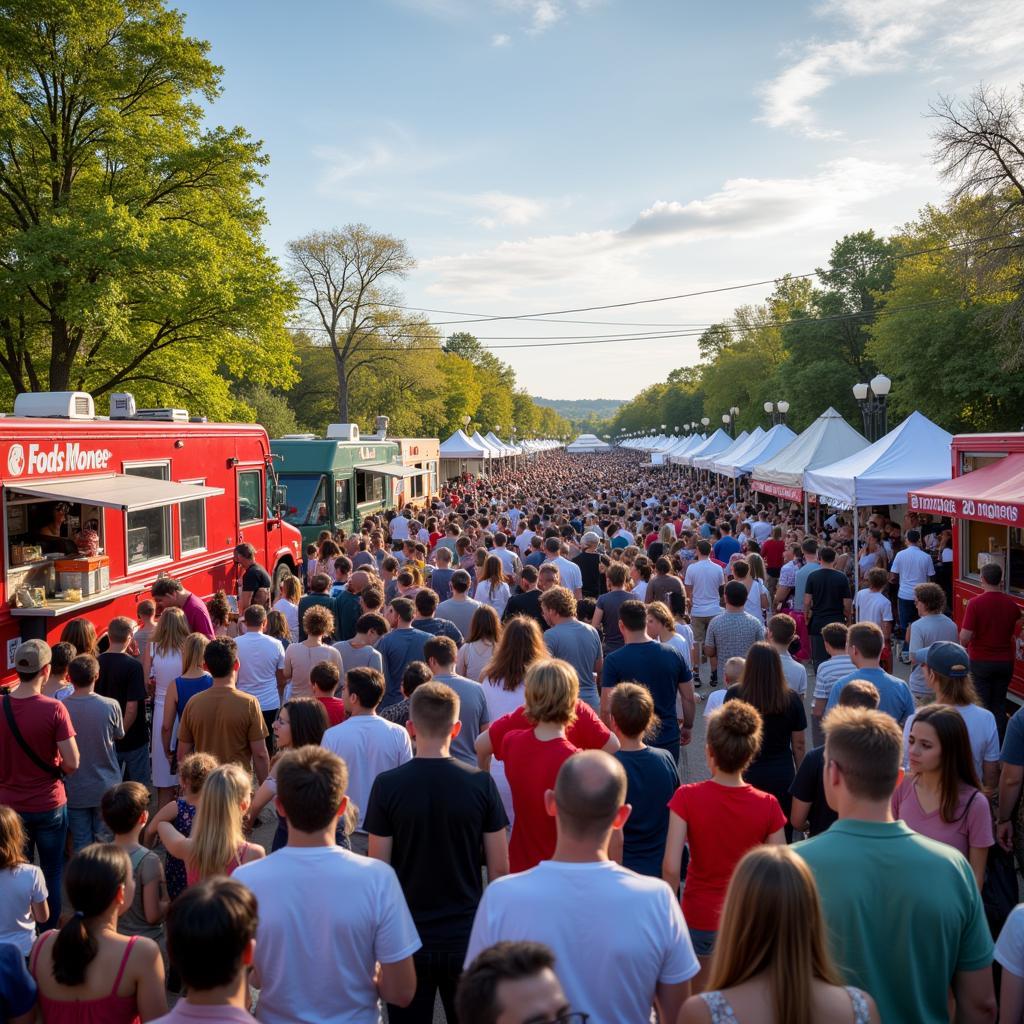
{"x":733,"y":674}
{"x":126,"y":811}
{"x":146,"y":612}
{"x":217,"y":844}
{"x":325,"y":678}
{"x":873,"y":605}
{"x":416,"y":673}
{"x":192,"y":775}
{"x":23,"y":892}
{"x":652,"y":777}
{"x":57,"y":686}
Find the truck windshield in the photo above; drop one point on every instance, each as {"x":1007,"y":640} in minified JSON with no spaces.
{"x":307,"y":499}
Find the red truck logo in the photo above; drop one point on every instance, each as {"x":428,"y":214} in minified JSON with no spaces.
{"x":57,"y":458}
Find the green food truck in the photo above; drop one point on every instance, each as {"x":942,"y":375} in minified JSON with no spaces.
{"x":334,"y":482}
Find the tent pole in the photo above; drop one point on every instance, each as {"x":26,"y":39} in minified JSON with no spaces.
{"x":734,"y":498}
{"x":856,"y":546}
{"x":807,"y":522}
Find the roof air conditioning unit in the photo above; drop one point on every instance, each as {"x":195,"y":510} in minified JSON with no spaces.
{"x":122,"y":406}
{"x":65,"y":405}
{"x":343,"y":431}
{"x":165,"y":415}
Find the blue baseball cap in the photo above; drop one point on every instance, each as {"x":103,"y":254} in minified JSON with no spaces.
{"x":946,"y":658}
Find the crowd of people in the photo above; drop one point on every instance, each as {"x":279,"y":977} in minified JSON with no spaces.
{"x":471,"y":726}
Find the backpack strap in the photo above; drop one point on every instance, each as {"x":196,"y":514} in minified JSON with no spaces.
{"x":51,"y":769}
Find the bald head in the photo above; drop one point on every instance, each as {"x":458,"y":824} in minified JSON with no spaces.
{"x":358,"y":582}
{"x":589,"y":790}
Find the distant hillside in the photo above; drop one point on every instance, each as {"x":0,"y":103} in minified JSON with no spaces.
{"x":578,"y":409}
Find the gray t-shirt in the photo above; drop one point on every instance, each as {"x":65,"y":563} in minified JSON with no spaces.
{"x":98,"y":725}
{"x":358,"y":657}
{"x":732,"y":634}
{"x":459,"y":612}
{"x":473,"y":715}
{"x":801,"y":584}
{"x":923,"y":633}
{"x":580,"y":645}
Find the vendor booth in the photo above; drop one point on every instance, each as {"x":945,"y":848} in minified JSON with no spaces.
{"x":717,"y":442}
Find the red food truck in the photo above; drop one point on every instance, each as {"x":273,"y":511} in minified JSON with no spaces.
{"x":95,"y":509}
{"x":985,"y":501}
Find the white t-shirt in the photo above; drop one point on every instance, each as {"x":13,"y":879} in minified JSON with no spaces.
{"x":981,"y":729}
{"x":716,"y":698}
{"x":399,"y":528}
{"x":1010,"y":946}
{"x":872,"y":606}
{"x":568,"y":573}
{"x":369,"y":745}
{"x":20,"y":887}
{"x":291,"y":615}
{"x":644,"y":939}
{"x":327,"y":916}
{"x":753,"y":605}
{"x":523,"y":541}
{"x":761,"y":530}
{"x":640,"y":590}
{"x":913,"y":566}
{"x":259,"y":658}
{"x":705,"y":578}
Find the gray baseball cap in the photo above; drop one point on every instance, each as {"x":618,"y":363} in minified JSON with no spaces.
{"x":32,"y":656}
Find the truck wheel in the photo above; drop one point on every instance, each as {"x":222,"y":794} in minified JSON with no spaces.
{"x":281,"y":571}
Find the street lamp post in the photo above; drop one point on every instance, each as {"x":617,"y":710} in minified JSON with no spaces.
{"x":729,"y":419}
{"x":777,"y":411}
{"x":873,"y":401}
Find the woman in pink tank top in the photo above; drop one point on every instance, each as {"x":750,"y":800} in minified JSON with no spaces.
{"x":87,"y":973}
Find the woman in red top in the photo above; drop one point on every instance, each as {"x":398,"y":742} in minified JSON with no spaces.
{"x":721,"y":819}
{"x":532,"y":758}
{"x":87,"y":973}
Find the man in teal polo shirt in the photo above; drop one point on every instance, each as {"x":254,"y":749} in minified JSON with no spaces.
{"x":904,"y":916}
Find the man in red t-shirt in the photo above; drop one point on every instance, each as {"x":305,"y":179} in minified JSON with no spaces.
{"x":991,"y":621}
{"x":34,"y":755}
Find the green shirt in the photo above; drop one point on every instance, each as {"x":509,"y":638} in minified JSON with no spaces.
{"x":903,"y":913}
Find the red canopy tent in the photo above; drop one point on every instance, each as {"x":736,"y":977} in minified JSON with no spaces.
{"x":992,"y":494}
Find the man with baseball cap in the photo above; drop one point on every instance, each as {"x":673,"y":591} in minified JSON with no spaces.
{"x":37,"y":748}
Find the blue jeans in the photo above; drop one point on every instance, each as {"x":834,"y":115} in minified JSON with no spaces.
{"x":87,"y":826}
{"x":47,"y":832}
{"x":908,"y":614}
{"x":135,"y":764}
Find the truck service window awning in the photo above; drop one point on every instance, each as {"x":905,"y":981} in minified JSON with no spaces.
{"x":391,"y":469}
{"x":116,"y":490}
{"x":992,"y":494}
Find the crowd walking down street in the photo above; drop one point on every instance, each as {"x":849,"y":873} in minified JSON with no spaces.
{"x":581,"y":740}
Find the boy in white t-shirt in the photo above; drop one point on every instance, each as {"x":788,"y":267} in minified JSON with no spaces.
{"x":872,"y":605}
{"x":733,"y":671}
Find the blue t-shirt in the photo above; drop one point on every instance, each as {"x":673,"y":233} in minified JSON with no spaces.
{"x":1013,"y":741}
{"x":651,"y":778}
{"x":895,"y":697}
{"x":17,"y":986}
{"x":659,"y":668}
{"x":725,"y":548}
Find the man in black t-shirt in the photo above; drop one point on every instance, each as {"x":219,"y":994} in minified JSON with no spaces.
{"x":121,"y":678}
{"x":827,"y":598}
{"x":429,"y":819}
{"x":254,"y":576}
{"x":527,"y":601}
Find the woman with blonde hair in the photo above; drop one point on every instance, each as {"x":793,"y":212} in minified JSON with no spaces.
{"x":532,"y":758}
{"x":193,"y":679}
{"x":217,"y":845}
{"x":772,"y":964}
{"x":478,"y":651}
{"x":162,"y":664}
{"x":300,"y":657}
{"x":287,"y":602}
{"x":492,"y":588}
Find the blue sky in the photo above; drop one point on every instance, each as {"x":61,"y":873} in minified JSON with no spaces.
{"x":543,"y":155}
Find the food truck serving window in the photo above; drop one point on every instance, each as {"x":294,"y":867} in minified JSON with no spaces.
{"x":192,"y":519}
{"x":149,"y":529}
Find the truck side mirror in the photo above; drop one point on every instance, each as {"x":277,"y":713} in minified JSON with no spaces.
{"x":279,"y":499}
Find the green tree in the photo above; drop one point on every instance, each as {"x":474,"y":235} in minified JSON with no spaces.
{"x":945,"y":345}
{"x":131,"y":251}
{"x":343,"y":278}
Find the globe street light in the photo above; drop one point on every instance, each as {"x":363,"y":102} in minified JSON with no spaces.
{"x":777,"y":411}
{"x":873,"y":401}
{"x":705,"y":420}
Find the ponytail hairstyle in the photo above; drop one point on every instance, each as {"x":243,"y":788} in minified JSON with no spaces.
{"x":12,"y":839}
{"x":217,"y":833}
{"x":93,"y":877}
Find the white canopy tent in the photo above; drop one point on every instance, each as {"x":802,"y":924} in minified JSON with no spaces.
{"x":460,"y":453}
{"x":491,"y":449}
{"x":913,"y":455}
{"x":770,"y":442}
{"x":717,"y":442}
{"x":505,"y":449}
{"x":739,"y":443}
{"x":587,"y":443}
{"x":828,"y":439}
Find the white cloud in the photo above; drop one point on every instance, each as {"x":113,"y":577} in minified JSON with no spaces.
{"x":503,"y":209}
{"x":743,"y":209}
{"x":501,"y":39}
{"x":887,"y":37}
